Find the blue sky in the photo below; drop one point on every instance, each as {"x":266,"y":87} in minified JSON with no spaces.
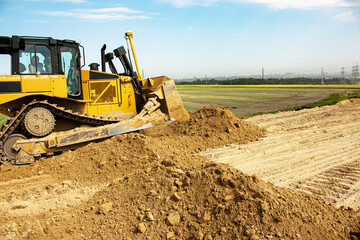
{"x":194,"y":38}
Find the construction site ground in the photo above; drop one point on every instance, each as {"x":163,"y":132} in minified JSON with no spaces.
{"x":316,"y":151}
{"x":166,"y":182}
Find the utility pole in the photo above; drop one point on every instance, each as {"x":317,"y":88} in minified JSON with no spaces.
{"x":206,"y":79}
{"x":262,"y":73}
{"x":342,"y":75}
{"x":322,"y":76}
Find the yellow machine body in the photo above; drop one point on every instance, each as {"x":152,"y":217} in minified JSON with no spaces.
{"x":100,"y":96}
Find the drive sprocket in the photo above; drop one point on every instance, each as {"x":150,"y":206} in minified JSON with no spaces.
{"x":39,"y":122}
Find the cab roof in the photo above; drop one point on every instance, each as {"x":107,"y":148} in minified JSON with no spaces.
{"x":9,"y":44}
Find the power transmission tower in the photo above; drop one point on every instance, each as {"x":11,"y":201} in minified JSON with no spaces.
{"x":353,"y":72}
{"x":342,"y":75}
{"x":322,"y":76}
{"x":262,"y":73}
{"x":206,"y":79}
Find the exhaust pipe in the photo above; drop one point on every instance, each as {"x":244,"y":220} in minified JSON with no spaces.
{"x":103,"y":67}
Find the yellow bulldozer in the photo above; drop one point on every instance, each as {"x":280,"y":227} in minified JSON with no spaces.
{"x":53,"y":105}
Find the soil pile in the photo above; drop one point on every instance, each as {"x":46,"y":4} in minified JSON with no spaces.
{"x":207,"y":202}
{"x":152,"y":185}
{"x":207,"y":128}
{"x":349,"y":102}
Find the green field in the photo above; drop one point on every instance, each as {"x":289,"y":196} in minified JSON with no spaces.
{"x":244,"y":101}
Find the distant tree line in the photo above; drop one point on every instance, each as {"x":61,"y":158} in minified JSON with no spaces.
{"x":257,"y":81}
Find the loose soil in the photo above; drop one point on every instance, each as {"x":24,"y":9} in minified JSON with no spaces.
{"x":154,"y":185}
{"x":316,"y":151}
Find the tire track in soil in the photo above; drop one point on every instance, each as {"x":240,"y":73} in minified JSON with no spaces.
{"x":38,"y":194}
{"x":316,"y":151}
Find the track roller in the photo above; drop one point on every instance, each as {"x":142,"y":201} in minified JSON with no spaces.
{"x":9,"y":142}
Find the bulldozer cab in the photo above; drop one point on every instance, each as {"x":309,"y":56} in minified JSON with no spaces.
{"x":39,"y":56}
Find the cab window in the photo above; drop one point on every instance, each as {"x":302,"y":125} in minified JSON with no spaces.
{"x":35,"y":59}
{"x":5,"y":63}
{"x":69,"y":57}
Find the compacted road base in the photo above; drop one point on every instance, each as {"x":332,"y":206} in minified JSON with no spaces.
{"x":316,"y":151}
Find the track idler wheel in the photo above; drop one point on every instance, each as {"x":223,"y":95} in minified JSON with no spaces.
{"x":39,"y":122}
{"x":8,"y":145}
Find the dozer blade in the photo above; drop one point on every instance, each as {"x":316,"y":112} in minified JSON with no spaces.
{"x":173,"y":101}
{"x":164,"y":88}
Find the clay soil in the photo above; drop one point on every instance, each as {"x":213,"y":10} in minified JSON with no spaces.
{"x":155,"y":185}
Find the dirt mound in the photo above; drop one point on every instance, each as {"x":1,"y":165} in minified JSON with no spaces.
{"x":210,"y":201}
{"x":349,"y":102}
{"x":152,"y":185}
{"x":208,"y":127}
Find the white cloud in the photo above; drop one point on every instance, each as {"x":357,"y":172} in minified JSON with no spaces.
{"x":304,"y":4}
{"x":38,"y":21}
{"x":112,"y":10}
{"x":65,"y":1}
{"x":183,"y":3}
{"x":71,"y":1}
{"x":100,"y":14}
{"x":276,"y":4}
{"x":348,"y":16}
